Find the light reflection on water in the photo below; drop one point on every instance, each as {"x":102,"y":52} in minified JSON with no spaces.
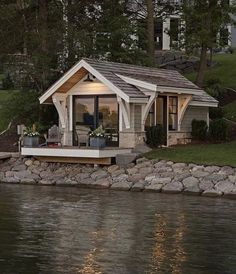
{"x":66,"y":230}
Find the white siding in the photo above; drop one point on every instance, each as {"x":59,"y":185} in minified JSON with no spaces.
{"x":137,"y":117}
{"x":198,"y":113}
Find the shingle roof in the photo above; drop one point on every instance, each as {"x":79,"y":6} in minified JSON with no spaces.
{"x":204,"y":98}
{"x":156,"y":76}
{"x":160,"y":77}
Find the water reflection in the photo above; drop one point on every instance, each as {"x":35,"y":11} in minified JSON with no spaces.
{"x":62,"y":230}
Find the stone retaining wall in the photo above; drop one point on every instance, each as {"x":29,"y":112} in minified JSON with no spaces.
{"x":145,"y":175}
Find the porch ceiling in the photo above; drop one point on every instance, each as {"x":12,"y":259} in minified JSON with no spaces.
{"x":74,"y":79}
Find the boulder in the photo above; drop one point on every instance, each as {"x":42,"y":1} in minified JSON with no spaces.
{"x":160,"y":180}
{"x":118,"y":172}
{"x":124,"y":160}
{"x":138,"y":186}
{"x":145,"y":170}
{"x":226,"y":170}
{"x":99,"y":174}
{"x":141,"y":149}
{"x":121,"y":185}
{"x":179,"y":165}
{"x":181,"y":176}
{"x":27,"y":181}
{"x":101,"y":183}
{"x":19,"y":167}
{"x":193,"y":190}
{"x":212,"y":169}
{"x":153,"y":187}
{"x":85,"y":183}
{"x":231,"y":178}
{"x":200,"y":173}
{"x":212,"y":193}
{"x":136,"y":177}
{"x":190,"y":182}
{"x":46,"y":182}
{"x":10,"y":180}
{"x":120,"y":178}
{"x":206,"y":185}
{"x":132,"y":170}
{"x":215,"y":177}
{"x":112,"y":168}
{"x":224,"y":186}
{"x":173,"y":187}
{"x":141,"y":160}
{"x":1,"y":175}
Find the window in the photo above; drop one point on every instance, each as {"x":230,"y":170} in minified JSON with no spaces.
{"x":150,"y":121}
{"x":93,"y":111}
{"x":173,"y":113}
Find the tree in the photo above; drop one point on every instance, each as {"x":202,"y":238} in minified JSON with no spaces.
{"x":150,"y":30}
{"x":203,"y":21}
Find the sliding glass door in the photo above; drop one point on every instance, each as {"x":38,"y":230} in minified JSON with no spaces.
{"x":91,"y":112}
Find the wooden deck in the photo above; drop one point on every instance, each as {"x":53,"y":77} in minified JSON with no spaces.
{"x":5,"y":155}
{"x":75,"y":154}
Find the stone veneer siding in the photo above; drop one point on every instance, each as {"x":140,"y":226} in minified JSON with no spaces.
{"x":179,"y":138}
{"x":129,"y":138}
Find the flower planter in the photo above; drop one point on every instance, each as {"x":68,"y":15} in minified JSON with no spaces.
{"x":97,"y":142}
{"x":29,"y":141}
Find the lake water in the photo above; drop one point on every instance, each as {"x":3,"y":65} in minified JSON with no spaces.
{"x":69,"y":230}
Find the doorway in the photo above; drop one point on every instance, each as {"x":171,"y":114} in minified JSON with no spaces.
{"x":91,"y":112}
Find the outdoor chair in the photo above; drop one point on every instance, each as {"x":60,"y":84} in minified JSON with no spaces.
{"x":83,"y":135}
{"x":54,"y":136}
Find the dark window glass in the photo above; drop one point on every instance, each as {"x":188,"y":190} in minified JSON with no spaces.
{"x":173,"y":113}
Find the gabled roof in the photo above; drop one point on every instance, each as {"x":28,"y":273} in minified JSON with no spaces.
{"x":160,"y":77}
{"x":117,"y":77}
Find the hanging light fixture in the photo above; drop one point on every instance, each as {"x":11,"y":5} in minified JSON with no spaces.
{"x":88,"y":79}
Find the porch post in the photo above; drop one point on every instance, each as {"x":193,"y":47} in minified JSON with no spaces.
{"x":61,"y":104}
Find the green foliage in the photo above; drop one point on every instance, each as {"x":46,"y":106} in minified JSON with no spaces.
{"x":208,"y":154}
{"x":199,"y":129}
{"x":230,"y":111}
{"x":214,"y":88}
{"x":5,"y":97}
{"x":155,"y":136}
{"x":216,"y":113}
{"x":23,"y":107}
{"x":218,"y":130}
{"x":7,"y":83}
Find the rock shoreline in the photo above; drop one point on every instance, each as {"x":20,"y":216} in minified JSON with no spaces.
{"x":146,"y":175}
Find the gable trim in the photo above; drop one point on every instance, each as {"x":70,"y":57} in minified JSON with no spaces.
{"x":72,"y":71}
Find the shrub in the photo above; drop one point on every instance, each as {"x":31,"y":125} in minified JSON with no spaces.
{"x":7,"y":82}
{"x":216,"y":113}
{"x":199,"y":129}
{"x":218,"y":130}
{"x":155,"y":136}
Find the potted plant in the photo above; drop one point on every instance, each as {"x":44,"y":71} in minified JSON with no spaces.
{"x":97,"y":138}
{"x":31,"y":137}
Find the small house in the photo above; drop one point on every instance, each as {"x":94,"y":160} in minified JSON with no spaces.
{"x":124,"y":99}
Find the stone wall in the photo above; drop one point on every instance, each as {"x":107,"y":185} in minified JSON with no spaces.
{"x":179,"y":138}
{"x":130,"y":139}
{"x":144,"y":175}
